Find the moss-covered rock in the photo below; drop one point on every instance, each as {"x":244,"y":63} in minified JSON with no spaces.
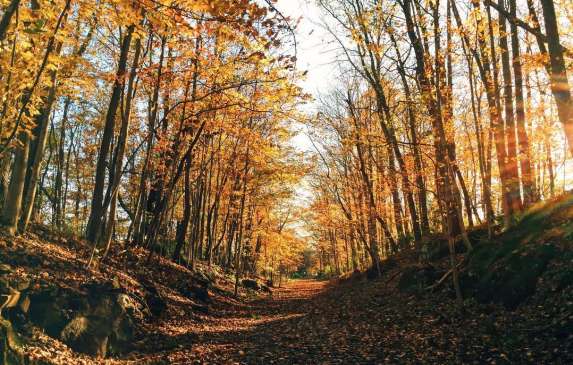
{"x":94,"y":321}
{"x":88,"y":335}
{"x":52,"y":308}
{"x":508,"y":273}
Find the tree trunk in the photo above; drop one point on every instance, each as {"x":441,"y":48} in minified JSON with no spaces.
{"x":420,"y":183}
{"x":397,"y":205}
{"x":445,"y":178}
{"x":513,"y":191}
{"x":7,"y":16}
{"x":58,"y":189}
{"x":117,"y":162}
{"x":489,"y":78}
{"x":94,"y":226}
{"x":13,"y":203}
{"x":559,"y":80}
{"x":182,"y":229}
{"x":5,"y":162}
{"x":35,"y":162}
{"x":527,"y":178}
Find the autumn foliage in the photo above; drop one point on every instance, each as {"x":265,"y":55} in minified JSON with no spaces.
{"x":161,"y":124}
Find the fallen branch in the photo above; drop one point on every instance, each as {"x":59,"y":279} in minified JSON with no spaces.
{"x":444,"y":277}
{"x":392,"y":277}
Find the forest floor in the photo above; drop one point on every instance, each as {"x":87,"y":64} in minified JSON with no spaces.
{"x":347,"y":321}
{"x":351,"y":320}
{"x":364,"y":322}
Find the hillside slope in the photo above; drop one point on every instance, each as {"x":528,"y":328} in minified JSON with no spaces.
{"x":126,"y":308}
{"x":518,"y":306}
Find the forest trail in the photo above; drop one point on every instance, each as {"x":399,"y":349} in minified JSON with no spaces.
{"x":272,"y":328}
{"x":358,"y":321}
{"x":322,"y":322}
{"x":349,"y":320}
{"x":277,"y":329}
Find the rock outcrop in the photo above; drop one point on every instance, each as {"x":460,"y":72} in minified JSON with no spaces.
{"x":97,"y":319}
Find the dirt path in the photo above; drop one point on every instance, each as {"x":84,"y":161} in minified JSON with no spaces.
{"x":356,"y":321}
{"x":282,"y":329}
{"x":272,"y":328}
{"x":269,"y":330}
{"x":311,"y":322}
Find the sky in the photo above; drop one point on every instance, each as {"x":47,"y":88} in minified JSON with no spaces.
{"x":314,"y":54}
